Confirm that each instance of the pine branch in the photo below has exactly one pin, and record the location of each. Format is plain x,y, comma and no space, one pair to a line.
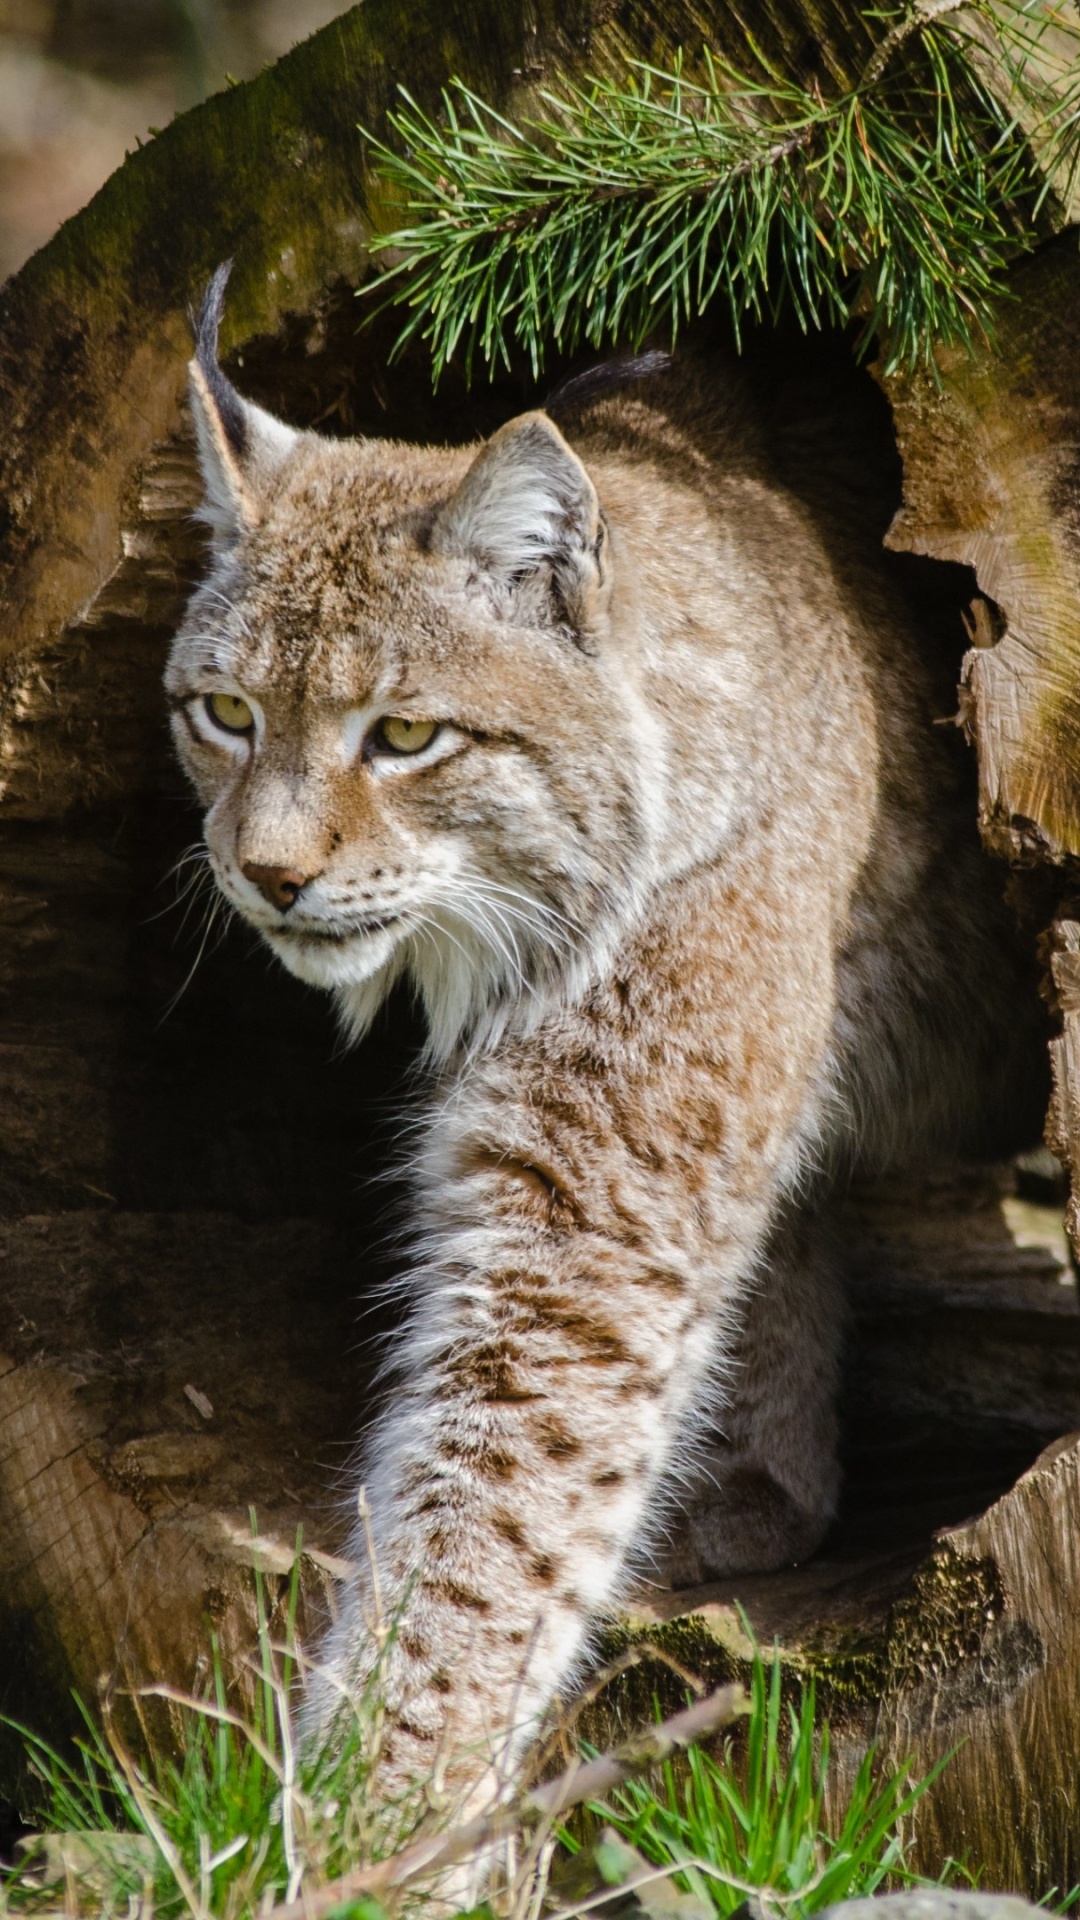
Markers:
628,208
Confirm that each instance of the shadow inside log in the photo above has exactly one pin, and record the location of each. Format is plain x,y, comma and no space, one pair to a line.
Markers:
197,1208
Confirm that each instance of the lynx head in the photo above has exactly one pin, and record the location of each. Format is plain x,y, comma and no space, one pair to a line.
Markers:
407,696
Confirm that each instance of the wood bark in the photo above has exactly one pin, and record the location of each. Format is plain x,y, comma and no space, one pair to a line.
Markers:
923,1629
182,1233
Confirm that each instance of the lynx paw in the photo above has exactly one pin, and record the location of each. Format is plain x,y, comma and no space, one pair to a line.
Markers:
747,1524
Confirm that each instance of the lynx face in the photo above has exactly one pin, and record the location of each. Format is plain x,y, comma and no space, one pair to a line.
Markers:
406,695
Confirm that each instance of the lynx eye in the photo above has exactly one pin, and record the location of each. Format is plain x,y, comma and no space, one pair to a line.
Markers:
229,712
405,736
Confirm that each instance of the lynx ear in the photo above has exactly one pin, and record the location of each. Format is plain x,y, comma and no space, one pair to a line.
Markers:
240,446
528,505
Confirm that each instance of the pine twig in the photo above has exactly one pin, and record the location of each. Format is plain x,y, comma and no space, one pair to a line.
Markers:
625,207
584,1780
912,23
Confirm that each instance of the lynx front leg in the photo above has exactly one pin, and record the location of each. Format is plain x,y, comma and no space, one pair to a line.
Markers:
597,1197
549,1365
766,1480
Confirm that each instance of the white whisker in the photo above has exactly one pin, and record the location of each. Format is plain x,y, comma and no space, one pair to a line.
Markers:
198,877
533,905
219,907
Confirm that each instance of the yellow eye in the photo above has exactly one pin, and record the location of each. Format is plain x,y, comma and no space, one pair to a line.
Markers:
406,736
229,712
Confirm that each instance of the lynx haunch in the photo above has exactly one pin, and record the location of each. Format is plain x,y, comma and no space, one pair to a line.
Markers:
621,751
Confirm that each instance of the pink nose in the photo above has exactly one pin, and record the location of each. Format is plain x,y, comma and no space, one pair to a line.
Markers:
279,885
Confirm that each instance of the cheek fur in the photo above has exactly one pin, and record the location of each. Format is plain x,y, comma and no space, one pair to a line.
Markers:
212,771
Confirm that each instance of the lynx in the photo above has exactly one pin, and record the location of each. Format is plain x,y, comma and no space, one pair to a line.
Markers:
620,748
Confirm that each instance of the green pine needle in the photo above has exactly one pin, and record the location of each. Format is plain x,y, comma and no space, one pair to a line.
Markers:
627,208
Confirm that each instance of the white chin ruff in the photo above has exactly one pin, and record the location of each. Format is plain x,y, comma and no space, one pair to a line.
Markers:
471,987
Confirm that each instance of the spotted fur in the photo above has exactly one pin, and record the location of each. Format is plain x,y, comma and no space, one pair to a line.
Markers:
687,884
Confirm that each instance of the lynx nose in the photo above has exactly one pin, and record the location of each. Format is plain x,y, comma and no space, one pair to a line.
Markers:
279,885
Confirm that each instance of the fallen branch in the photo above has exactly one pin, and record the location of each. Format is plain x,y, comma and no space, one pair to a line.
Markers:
583,1780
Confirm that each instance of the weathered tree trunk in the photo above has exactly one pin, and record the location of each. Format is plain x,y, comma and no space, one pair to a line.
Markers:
182,1237
992,478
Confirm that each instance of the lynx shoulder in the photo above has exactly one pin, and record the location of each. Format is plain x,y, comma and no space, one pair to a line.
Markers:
621,751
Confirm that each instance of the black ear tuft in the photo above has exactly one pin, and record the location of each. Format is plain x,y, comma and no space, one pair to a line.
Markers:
225,397
579,388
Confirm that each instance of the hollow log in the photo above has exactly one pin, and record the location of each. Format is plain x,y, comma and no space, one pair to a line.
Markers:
183,1234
